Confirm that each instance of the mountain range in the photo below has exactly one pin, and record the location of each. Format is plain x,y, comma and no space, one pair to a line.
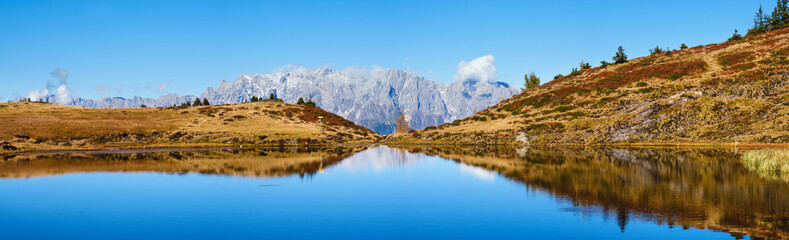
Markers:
370,98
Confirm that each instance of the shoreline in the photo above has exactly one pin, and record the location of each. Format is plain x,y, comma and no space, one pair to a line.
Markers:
197,147
168,148
642,144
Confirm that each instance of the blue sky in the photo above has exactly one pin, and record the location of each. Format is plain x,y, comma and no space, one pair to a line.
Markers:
148,48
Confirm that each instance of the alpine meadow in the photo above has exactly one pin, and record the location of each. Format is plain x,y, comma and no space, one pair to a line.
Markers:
394,119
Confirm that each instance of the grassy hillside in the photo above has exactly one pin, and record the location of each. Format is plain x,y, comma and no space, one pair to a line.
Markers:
37,126
719,93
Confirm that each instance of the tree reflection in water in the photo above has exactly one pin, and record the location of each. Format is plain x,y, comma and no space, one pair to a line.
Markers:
701,188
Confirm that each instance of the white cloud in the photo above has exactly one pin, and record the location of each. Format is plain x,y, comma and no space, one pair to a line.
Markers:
477,172
103,90
63,95
290,68
15,97
36,95
355,71
406,58
480,69
377,68
60,74
162,87
62,92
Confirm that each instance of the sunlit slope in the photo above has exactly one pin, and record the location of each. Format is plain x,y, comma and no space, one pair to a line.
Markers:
50,126
727,92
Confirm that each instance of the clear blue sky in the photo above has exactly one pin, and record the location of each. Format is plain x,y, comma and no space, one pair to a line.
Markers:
136,46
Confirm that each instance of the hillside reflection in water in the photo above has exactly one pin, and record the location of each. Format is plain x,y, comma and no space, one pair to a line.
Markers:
272,162
669,188
701,188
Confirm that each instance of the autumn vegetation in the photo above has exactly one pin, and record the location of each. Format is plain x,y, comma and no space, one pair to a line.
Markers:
401,124
40,126
770,163
725,93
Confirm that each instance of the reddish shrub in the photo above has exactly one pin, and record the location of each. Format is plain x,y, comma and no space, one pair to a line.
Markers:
734,58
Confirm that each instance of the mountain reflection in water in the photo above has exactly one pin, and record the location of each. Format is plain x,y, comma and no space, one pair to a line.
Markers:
701,188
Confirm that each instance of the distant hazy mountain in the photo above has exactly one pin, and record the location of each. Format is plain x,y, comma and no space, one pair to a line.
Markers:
119,102
372,99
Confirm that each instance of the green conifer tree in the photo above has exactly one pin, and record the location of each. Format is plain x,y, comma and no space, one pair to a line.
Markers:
585,66
736,36
655,50
620,56
530,81
759,25
780,16
310,103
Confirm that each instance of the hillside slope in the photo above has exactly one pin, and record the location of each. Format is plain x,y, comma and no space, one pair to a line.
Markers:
728,92
32,126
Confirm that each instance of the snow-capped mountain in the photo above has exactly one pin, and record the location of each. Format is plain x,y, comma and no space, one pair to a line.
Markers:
372,99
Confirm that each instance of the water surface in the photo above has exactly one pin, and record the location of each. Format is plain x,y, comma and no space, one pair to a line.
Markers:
386,193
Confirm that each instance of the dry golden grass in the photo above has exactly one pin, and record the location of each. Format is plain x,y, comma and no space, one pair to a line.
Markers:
34,126
50,120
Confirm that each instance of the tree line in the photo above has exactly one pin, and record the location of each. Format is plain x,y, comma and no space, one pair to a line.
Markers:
196,102
762,23
531,80
778,19
258,99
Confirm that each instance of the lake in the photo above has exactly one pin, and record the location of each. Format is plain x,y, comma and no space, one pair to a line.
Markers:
390,193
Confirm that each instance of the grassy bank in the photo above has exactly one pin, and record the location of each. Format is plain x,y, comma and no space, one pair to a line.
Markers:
771,163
